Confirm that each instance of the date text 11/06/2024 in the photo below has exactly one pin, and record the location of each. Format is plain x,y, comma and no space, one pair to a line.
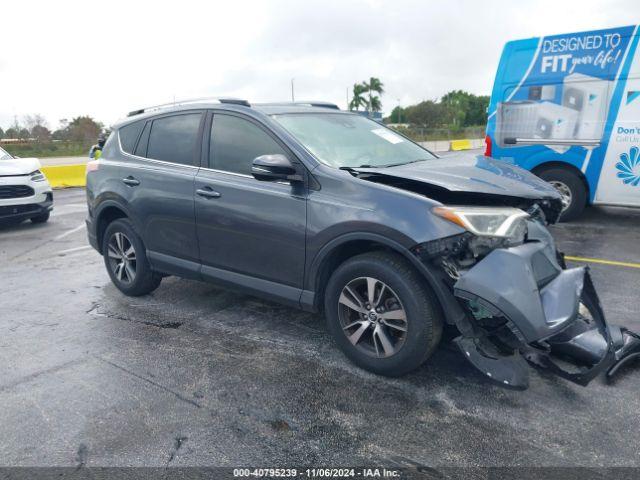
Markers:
317,473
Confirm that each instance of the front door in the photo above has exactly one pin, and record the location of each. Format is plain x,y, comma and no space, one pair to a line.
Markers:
250,232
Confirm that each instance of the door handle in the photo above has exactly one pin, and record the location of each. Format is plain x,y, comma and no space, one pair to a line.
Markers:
132,182
207,192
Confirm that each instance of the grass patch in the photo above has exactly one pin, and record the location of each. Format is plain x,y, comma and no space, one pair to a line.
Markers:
48,149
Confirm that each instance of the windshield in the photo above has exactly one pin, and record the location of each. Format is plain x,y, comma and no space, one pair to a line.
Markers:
343,140
4,155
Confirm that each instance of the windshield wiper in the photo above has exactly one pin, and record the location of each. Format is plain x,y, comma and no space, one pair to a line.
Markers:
404,163
360,166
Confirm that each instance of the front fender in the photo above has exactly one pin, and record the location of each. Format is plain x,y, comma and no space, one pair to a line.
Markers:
311,301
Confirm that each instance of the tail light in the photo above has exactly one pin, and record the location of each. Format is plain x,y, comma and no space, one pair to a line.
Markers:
487,146
93,165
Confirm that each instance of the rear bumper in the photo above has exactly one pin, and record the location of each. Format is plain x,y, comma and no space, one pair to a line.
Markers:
91,234
24,211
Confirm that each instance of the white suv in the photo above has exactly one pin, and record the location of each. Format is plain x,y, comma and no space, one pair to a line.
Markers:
24,190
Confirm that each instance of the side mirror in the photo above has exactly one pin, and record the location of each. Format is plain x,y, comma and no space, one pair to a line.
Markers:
271,168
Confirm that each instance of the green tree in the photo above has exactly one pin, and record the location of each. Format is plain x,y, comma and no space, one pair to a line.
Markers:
429,114
398,115
477,111
11,133
358,100
37,127
82,129
1,133
468,109
41,133
374,86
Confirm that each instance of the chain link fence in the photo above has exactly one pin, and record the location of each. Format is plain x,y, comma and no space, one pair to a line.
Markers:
424,134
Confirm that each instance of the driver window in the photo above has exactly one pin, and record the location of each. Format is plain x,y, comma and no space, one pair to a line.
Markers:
235,142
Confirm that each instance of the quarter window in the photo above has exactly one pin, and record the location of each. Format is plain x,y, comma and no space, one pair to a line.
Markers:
174,139
235,142
141,149
129,136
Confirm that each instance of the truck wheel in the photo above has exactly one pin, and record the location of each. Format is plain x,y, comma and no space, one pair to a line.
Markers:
381,314
572,189
126,260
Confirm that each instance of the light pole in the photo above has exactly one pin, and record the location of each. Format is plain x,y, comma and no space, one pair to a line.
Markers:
293,98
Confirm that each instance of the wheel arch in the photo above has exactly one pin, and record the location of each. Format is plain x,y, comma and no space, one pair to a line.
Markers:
341,249
538,169
109,211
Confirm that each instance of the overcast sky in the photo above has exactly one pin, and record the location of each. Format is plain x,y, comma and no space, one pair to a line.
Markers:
63,59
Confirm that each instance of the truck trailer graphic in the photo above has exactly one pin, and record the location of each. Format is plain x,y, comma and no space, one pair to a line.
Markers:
566,107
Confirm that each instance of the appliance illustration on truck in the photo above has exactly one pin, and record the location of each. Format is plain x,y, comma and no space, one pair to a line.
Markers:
589,97
534,120
567,107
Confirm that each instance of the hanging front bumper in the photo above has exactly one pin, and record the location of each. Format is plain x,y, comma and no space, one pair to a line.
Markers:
546,315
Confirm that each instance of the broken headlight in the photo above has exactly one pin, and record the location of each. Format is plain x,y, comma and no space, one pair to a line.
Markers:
506,224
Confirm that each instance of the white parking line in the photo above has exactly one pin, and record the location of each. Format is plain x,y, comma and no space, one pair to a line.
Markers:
62,253
69,232
68,210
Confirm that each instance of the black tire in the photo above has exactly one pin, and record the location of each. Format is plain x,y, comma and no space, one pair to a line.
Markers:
144,279
578,191
43,218
423,314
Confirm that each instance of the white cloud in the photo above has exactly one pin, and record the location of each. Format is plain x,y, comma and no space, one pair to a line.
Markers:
64,59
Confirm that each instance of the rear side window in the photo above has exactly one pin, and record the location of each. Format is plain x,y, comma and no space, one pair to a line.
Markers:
235,142
141,149
174,139
129,136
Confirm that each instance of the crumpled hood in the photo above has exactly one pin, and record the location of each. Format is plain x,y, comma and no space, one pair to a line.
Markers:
18,166
474,174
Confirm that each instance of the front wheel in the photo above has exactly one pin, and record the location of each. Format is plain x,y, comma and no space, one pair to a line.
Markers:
571,188
126,260
381,314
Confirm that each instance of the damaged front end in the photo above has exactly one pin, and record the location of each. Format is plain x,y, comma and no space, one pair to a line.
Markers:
521,303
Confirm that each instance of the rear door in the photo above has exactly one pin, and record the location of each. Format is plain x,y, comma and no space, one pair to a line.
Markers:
159,176
250,232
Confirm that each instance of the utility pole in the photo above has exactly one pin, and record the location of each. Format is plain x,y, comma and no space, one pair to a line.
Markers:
293,97
348,99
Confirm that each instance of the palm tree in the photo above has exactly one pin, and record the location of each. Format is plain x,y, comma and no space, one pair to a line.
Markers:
358,99
374,85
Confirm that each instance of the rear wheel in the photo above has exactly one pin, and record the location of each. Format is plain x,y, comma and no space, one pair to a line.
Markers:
126,260
571,187
381,314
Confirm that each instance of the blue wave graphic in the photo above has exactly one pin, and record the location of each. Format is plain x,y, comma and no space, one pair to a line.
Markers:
629,167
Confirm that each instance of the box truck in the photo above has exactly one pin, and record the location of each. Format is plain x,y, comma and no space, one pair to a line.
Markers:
567,107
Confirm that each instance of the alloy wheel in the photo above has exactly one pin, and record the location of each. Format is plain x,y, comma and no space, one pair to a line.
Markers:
372,317
122,257
564,191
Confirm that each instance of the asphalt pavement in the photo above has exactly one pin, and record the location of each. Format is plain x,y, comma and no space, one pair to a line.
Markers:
196,375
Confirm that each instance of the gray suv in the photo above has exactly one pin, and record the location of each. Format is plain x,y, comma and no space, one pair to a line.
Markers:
329,211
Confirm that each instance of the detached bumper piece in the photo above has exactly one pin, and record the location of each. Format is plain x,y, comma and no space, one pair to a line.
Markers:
524,307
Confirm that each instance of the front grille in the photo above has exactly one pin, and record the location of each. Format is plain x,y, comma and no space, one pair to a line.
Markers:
7,210
15,191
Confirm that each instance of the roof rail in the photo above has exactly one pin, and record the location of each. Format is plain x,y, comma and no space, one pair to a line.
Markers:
234,101
307,104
